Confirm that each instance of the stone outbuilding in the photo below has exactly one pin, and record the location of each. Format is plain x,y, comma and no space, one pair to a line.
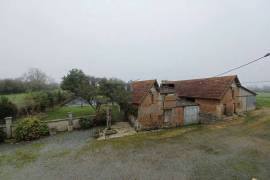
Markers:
160,110
247,100
179,103
146,97
217,97
179,112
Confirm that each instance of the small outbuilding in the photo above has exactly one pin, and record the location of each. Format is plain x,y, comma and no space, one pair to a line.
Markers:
158,109
217,97
247,99
178,112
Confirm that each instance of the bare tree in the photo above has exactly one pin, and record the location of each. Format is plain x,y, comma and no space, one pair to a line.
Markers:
36,79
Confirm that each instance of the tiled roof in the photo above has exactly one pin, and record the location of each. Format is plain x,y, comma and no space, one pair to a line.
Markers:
208,88
140,90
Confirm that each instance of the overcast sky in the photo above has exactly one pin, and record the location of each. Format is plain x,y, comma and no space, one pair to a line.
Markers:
135,39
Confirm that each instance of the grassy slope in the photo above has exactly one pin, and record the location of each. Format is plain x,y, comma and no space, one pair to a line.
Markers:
263,100
61,112
17,99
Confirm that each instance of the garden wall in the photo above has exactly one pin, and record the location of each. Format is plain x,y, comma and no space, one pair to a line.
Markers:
58,125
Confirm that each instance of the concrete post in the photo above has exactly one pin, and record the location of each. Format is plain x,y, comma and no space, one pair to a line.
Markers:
8,126
70,121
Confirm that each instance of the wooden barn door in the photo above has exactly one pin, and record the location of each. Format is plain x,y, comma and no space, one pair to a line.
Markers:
191,115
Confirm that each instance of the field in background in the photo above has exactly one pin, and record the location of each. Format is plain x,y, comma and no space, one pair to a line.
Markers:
77,111
17,99
62,112
263,100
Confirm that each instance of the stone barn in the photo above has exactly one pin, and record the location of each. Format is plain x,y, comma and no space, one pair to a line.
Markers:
178,112
146,97
217,97
158,109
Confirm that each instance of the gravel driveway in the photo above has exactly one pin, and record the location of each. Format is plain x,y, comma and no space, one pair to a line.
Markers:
231,150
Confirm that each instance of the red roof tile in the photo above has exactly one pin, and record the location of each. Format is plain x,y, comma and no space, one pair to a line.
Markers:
208,88
140,90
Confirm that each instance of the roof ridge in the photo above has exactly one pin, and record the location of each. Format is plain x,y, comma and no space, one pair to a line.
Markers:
220,77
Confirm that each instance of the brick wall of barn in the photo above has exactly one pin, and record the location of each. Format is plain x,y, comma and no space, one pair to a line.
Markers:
150,113
177,113
228,105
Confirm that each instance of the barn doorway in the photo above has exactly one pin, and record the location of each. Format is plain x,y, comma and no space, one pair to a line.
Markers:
167,115
191,115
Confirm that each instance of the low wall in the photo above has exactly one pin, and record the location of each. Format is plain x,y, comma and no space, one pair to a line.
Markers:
61,125
58,125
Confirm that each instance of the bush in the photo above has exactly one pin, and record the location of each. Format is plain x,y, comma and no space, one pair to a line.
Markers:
86,123
2,136
7,108
100,118
44,130
30,129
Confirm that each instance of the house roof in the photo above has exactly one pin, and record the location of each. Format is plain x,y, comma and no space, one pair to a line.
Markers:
248,90
208,88
140,89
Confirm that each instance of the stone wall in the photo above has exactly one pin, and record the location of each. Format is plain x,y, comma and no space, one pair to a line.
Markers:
229,103
62,125
150,113
208,105
58,125
208,118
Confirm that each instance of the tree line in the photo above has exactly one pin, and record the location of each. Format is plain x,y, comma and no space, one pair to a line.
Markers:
42,95
33,80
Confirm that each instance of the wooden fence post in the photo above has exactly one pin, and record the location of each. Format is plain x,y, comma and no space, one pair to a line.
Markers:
8,126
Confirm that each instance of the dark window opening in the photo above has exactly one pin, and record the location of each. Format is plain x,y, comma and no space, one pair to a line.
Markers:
234,107
190,99
224,109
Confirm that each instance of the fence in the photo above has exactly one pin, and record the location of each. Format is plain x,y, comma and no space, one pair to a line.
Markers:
58,125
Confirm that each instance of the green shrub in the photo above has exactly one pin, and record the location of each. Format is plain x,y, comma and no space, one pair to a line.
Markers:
44,130
7,108
30,129
100,118
86,123
2,136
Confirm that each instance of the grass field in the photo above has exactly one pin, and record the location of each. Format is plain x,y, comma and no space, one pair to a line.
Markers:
17,99
263,100
77,111
62,112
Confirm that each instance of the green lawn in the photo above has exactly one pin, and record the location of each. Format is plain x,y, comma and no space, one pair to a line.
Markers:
17,99
77,111
62,112
263,100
